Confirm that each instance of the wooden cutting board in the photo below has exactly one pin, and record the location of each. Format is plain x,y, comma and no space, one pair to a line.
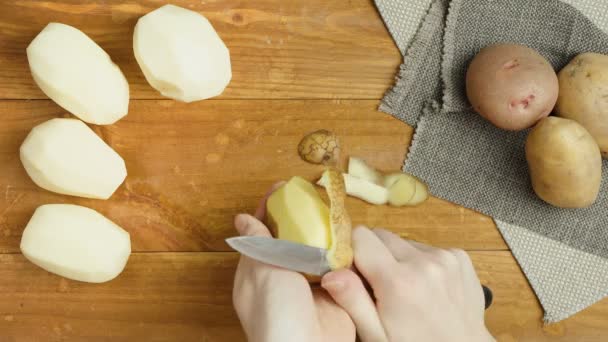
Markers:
297,66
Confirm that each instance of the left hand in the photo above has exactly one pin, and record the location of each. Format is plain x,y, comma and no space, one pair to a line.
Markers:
275,304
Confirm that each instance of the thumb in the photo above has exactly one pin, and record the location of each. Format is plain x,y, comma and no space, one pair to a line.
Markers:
348,291
248,225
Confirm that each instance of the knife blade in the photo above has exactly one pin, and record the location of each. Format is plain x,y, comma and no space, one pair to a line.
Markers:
282,253
296,257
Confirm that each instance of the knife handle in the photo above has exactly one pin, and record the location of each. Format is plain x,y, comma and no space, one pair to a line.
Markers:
488,296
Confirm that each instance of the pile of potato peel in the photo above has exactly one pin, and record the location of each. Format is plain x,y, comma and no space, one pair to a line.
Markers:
296,212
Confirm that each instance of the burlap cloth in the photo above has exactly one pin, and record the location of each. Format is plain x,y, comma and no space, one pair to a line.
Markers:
464,159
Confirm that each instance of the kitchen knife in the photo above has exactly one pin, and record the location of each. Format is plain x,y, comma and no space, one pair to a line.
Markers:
295,256
282,253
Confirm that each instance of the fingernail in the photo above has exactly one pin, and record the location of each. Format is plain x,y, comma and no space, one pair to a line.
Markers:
241,223
360,228
331,284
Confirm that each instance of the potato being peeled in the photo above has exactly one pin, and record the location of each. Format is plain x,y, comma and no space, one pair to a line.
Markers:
583,95
297,213
511,85
564,162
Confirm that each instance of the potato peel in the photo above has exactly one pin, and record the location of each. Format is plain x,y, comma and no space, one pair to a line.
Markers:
320,147
357,167
421,193
360,188
401,188
340,252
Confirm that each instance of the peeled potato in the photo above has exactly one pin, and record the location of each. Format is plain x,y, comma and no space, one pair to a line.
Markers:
75,72
181,55
511,85
67,157
297,213
75,242
564,162
583,95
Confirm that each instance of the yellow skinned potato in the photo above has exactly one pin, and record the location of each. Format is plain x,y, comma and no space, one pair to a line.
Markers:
297,213
564,162
511,85
583,95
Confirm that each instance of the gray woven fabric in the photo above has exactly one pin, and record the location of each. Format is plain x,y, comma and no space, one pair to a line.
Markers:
595,10
566,279
403,18
466,160
407,99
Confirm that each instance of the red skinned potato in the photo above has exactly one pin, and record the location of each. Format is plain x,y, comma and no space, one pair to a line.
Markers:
511,85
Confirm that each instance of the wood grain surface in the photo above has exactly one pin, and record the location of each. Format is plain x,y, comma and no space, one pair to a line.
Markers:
186,297
297,66
192,167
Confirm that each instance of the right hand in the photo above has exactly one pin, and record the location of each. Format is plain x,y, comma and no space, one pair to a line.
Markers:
421,293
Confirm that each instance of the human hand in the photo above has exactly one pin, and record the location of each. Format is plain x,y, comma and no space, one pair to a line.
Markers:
421,293
274,304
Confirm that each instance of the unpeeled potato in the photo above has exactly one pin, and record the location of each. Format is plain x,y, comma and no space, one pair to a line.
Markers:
583,95
564,162
511,85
